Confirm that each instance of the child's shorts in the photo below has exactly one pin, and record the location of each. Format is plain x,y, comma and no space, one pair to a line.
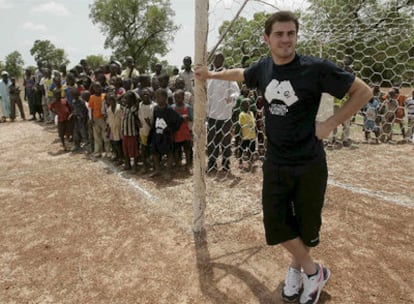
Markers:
130,146
144,139
64,128
292,201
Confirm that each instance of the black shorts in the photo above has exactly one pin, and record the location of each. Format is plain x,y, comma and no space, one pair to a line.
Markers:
292,201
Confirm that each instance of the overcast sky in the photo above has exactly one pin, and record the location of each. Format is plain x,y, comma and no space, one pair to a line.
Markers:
67,25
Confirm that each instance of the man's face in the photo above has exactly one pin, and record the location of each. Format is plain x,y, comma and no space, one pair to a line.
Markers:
218,61
282,41
187,62
130,62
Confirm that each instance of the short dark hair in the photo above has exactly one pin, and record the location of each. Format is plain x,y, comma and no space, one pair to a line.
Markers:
281,16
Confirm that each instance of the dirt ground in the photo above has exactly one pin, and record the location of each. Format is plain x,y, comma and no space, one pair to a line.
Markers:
77,230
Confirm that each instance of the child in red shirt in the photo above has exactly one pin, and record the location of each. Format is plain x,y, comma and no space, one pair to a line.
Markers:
182,138
61,108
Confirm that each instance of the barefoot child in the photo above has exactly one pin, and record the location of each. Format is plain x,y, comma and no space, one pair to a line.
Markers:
129,130
114,120
166,123
146,117
182,138
61,108
80,117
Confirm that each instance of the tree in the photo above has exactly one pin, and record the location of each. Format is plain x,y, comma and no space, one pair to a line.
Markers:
2,66
95,61
14,64
44,50
243,43
138,28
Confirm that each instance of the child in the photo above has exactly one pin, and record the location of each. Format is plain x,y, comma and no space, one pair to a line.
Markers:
80,116
166,123
61,107
89,124
47,82
129,130
247,124
101,141
146,117
370,117
389,108
114,120
70,84
15,100
164,80
182,138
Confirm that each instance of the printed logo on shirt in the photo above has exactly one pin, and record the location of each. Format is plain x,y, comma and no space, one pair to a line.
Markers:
278,109
282,91
160,125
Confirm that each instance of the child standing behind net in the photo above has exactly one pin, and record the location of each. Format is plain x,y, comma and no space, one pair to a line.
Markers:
166,123
370,117
182,138
247,124
61,108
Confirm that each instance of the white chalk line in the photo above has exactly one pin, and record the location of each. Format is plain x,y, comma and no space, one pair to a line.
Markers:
399,199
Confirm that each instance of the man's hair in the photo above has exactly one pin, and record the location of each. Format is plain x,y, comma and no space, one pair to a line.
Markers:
281,16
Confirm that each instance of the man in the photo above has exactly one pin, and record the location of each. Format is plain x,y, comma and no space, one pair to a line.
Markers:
221,96
157,73
130,71
37,93
5,84
295,171
188,74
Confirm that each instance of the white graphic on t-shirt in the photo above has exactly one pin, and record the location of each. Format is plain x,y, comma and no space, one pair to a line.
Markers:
278,109
282,91
160,125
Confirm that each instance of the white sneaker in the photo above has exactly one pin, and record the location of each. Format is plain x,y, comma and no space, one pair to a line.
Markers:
293,285
312,286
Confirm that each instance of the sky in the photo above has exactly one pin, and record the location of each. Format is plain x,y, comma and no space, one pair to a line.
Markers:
67,25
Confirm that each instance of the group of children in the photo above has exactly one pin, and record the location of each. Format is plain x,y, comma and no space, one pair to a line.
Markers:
144,124
383,111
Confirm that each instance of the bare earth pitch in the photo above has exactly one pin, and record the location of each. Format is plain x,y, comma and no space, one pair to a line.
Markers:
74,230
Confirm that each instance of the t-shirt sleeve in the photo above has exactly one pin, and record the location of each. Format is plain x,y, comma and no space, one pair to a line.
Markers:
335,80
251,76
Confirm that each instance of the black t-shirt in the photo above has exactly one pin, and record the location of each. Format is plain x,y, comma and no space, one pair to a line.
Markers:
292,93
166,123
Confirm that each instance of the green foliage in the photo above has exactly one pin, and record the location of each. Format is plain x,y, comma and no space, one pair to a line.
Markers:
95,61
138,28
2,66
375,36
243,43
14,64
45,51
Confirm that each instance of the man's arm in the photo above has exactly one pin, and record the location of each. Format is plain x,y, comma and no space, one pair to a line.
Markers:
359,94
202,73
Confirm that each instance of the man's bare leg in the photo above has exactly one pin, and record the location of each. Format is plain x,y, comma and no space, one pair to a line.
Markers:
300,256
